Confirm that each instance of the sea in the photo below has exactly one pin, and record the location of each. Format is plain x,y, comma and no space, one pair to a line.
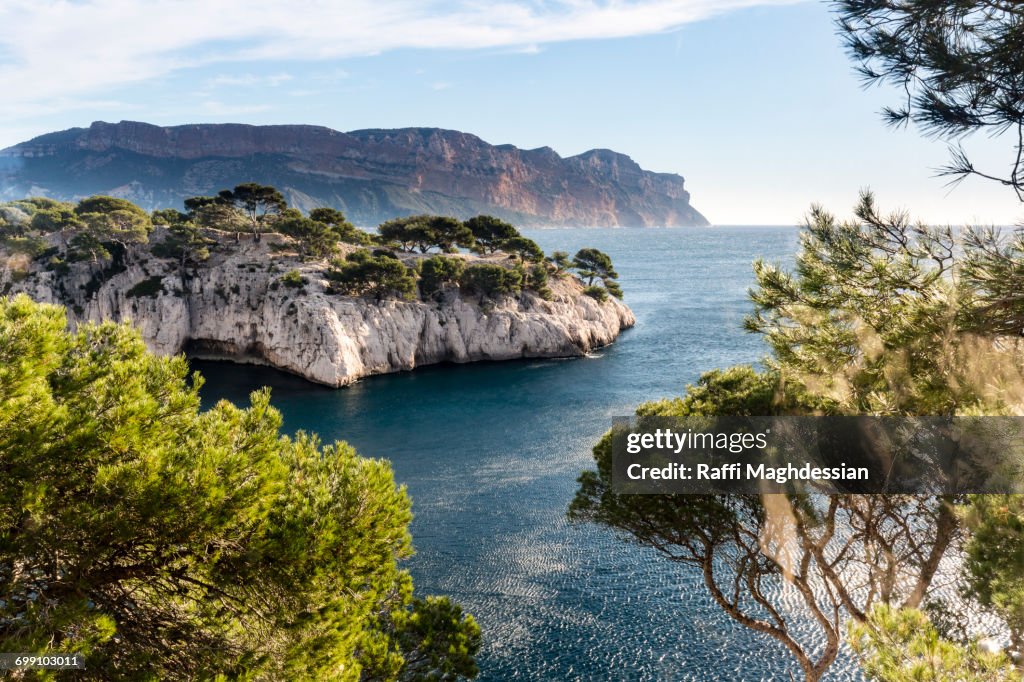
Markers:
490,453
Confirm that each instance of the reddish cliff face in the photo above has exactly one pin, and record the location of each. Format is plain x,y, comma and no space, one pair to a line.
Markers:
372,175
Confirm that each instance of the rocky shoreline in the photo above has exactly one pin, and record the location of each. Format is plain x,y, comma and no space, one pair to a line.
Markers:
236,307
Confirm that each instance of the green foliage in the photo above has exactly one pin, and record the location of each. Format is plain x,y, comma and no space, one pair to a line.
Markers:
491,280
490,233
328,216
60,218
259,205
164,542
168,216
108,219
58,265
882,316
425,232
591,265
293,279
104,273
741,391
991,273
249,206
335,220
195,204
13,217
86,246
24,224
362,274
314,239
742,544
524,249
105,204
902,645
213,212
437,271
956,64
30,245
596,292
147,288
28,207
185,243
538,281
995,558
559,260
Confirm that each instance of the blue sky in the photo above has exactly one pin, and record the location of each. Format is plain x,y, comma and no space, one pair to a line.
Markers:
753,101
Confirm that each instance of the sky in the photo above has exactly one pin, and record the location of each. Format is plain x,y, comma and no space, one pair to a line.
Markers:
753,101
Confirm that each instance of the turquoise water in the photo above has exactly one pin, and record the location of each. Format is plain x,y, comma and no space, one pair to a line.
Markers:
490,453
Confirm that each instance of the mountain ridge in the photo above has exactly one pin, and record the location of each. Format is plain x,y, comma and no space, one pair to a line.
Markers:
371,174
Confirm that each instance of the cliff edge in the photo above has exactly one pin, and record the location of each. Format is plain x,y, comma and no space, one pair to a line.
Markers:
235,306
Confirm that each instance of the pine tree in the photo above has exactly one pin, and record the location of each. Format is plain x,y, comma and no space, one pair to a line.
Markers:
163,541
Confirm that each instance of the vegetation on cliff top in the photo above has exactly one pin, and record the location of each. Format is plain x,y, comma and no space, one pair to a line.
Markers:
414,254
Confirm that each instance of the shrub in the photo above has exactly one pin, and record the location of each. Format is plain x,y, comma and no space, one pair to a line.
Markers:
58,265
593,265
523,248
425,232
148,288
335,220
560,261
364,274
489,233
31,246
312,239
538,281
596,292
293,279
437,271
491,280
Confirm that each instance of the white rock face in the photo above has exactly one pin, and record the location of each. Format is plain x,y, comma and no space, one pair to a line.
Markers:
234,307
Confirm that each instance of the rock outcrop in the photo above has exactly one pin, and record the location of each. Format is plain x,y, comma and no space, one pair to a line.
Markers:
371,175
236,307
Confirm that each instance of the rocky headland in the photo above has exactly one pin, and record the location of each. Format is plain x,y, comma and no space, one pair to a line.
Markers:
237,305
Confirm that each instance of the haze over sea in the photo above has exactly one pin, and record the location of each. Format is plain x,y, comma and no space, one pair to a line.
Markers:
490,454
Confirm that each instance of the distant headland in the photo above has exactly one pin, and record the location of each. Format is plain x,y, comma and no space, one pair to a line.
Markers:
370,175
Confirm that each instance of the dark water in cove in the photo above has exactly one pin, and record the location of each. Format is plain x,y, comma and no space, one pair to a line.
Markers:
490,454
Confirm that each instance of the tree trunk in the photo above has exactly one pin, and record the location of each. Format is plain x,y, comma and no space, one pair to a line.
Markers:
945,530
810,671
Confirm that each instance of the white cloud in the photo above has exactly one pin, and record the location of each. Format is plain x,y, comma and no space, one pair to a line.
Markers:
246,80
440,85
54,49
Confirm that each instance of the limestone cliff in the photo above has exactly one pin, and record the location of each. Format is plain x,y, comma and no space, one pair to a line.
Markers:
371,175
235,306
